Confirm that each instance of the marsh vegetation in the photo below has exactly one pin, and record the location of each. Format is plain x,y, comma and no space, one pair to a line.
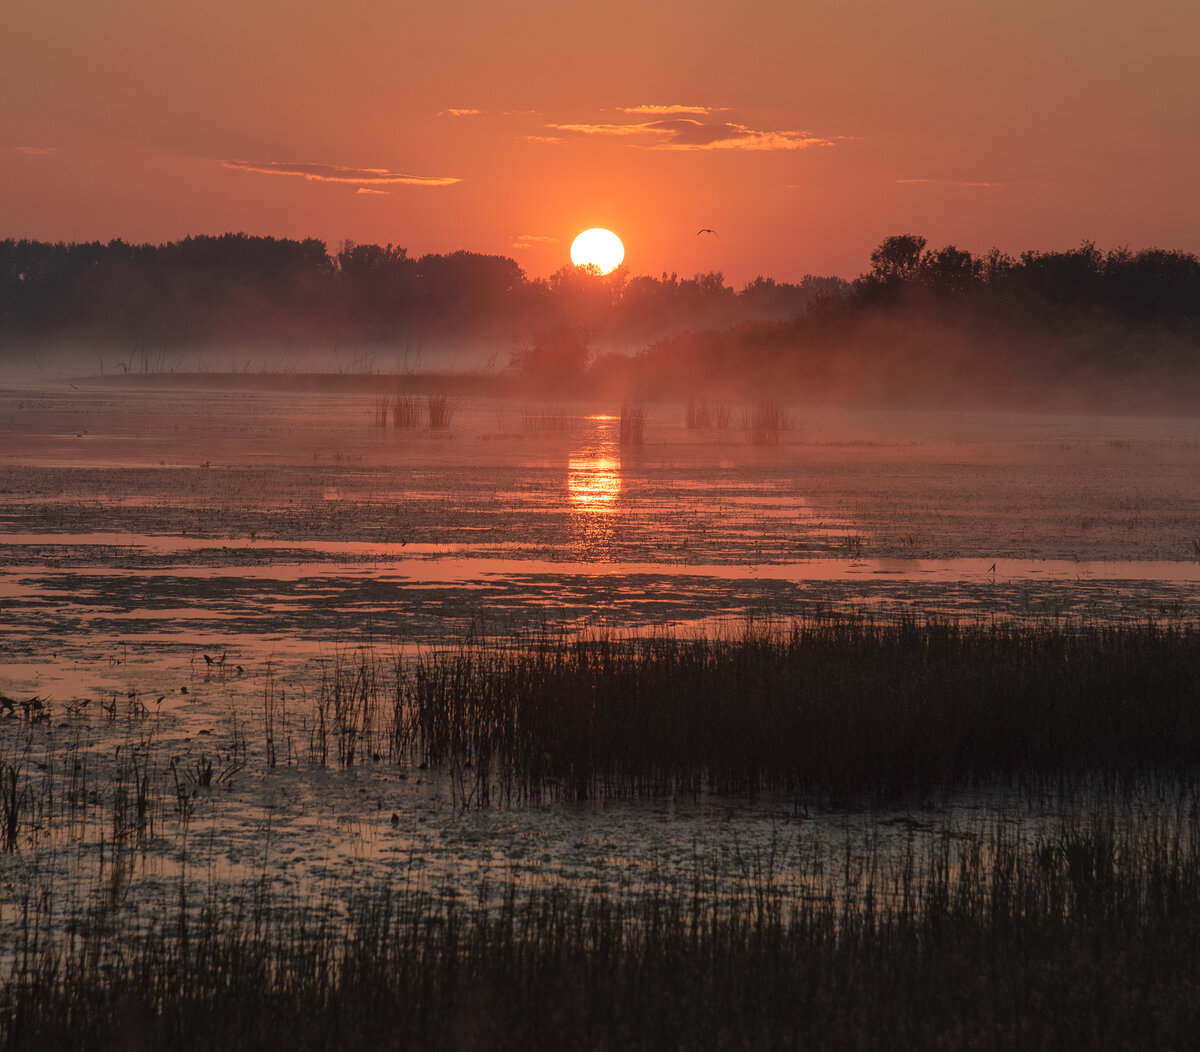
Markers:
129,919
882,732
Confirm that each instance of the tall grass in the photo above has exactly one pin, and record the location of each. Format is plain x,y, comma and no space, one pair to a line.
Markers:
545,418
1083,939
1077,933
699,415
406,412
440,409
840,707
633,425
765,421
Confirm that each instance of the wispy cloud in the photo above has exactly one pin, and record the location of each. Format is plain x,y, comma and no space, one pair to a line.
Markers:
663,111
945,182
533,240
336,173
686,133
602,129
543,138
371,190
460,113
36,151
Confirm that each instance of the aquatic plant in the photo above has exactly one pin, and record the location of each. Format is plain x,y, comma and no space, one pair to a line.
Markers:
765,422
633,425
1085,934
440,409
853,707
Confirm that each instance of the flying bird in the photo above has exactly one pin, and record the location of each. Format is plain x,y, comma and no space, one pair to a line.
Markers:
707,230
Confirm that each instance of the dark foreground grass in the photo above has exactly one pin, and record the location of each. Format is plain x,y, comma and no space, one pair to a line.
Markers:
1087,940
846,707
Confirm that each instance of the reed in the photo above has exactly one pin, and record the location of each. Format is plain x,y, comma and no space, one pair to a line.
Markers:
545,418
440,409
700,415
765,422
633,425
406,412
1083,937
844,707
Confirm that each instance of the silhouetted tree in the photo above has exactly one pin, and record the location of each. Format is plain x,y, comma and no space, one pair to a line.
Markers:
897,258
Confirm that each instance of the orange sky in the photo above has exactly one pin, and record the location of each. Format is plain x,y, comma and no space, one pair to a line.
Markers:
803,133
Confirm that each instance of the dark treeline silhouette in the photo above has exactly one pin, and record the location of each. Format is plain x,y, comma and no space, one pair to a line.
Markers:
266,291
924,325
1079,328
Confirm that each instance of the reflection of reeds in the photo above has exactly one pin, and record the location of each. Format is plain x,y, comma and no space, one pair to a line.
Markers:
633,425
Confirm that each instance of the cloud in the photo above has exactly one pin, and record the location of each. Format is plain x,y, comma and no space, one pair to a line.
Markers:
369,190
685,133
336,173
662,111
460,113
532,240
944,182
601,129
543,138
36,151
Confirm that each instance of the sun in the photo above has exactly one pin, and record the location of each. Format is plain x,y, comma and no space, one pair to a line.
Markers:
598,248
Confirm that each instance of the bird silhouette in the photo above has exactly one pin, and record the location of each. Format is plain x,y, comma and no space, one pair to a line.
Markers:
707,230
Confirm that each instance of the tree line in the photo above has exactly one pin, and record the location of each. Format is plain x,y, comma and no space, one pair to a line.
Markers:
941,326
935,324
238,288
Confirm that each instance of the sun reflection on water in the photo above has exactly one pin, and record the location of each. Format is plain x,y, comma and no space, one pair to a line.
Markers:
593,484
594,489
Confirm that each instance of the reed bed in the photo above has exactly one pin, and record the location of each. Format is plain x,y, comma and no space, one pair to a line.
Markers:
440,410
545,418
1018,931
1085,938
765,422
403,410
851,707
406,412
700,415
633,425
